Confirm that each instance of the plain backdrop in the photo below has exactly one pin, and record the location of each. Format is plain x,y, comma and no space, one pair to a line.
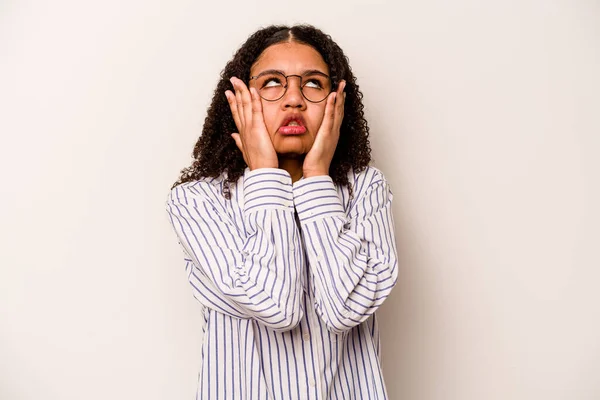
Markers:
484,117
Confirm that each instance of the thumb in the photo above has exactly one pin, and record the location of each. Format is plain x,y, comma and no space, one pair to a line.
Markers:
238,142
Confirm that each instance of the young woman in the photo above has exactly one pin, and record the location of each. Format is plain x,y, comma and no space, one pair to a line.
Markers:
287,231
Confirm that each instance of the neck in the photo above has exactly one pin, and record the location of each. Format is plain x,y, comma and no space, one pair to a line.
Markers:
293,166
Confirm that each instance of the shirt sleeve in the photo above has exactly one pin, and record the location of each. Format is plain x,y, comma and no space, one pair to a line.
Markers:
255,273
352,256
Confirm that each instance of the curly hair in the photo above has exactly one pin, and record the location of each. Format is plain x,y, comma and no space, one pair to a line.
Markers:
215,151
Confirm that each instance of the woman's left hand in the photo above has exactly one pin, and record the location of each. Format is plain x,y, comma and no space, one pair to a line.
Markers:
318,159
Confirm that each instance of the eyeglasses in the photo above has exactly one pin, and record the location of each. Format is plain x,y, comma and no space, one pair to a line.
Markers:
272,85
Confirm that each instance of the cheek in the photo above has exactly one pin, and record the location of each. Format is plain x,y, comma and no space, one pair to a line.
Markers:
270,116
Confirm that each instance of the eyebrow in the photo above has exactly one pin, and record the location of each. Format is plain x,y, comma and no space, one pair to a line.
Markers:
304,73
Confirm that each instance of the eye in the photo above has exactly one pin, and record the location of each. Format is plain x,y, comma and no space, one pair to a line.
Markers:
272,82
313,84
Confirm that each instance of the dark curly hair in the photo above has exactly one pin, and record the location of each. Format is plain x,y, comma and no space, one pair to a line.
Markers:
215,151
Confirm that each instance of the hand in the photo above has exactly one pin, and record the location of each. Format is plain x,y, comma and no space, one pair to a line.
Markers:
318,159
253,139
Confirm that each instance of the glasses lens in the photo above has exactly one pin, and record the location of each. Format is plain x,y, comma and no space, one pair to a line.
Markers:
316,87
271,86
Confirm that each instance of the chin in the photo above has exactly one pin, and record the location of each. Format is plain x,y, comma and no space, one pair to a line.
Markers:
290,156
291,148
290,152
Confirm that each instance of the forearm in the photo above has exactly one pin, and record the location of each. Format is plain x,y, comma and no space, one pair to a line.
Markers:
352,259
255,274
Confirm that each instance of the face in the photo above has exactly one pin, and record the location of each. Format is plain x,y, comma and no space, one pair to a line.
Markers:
291,59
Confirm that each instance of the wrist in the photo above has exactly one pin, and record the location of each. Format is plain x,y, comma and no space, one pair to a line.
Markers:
254,167
311,173
262,164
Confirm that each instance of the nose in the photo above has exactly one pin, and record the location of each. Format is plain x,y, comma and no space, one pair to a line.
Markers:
293,97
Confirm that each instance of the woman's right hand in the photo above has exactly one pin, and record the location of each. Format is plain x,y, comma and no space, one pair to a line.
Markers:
253,139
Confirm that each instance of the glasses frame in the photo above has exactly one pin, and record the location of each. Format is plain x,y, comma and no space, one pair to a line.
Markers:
287,84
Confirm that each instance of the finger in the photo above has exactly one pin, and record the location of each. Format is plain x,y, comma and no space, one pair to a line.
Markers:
341,94
257,113
327,123
233,107
341,87
246,101
338,109
238,99
339,104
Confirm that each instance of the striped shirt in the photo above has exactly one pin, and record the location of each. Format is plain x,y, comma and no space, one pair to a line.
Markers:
289,277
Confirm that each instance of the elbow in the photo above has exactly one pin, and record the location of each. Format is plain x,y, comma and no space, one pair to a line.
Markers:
339,320
283,322
283,318
342,318
289,322
337,329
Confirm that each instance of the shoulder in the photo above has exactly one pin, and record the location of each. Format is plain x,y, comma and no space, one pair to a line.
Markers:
208,190
366,179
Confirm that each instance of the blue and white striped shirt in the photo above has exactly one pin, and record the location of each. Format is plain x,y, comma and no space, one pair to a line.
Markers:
289,277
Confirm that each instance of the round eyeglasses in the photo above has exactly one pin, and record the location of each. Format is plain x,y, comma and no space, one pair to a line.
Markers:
272,85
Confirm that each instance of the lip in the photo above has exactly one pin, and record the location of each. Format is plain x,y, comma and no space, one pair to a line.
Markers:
292,130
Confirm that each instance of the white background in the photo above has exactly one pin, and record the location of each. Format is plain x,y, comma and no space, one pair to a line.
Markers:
484,117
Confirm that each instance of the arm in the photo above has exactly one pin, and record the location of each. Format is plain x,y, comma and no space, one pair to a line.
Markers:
352,258
253,274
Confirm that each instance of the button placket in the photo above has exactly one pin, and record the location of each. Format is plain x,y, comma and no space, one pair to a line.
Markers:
309,372
319,355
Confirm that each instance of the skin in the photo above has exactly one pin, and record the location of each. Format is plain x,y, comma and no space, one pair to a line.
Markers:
258,120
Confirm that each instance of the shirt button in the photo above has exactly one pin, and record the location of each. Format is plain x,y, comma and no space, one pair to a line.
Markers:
319,257
311,382
306,337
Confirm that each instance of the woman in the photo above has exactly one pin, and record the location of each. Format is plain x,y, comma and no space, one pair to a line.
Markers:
287,232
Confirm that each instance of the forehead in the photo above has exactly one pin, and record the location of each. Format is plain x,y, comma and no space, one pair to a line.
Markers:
292,58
